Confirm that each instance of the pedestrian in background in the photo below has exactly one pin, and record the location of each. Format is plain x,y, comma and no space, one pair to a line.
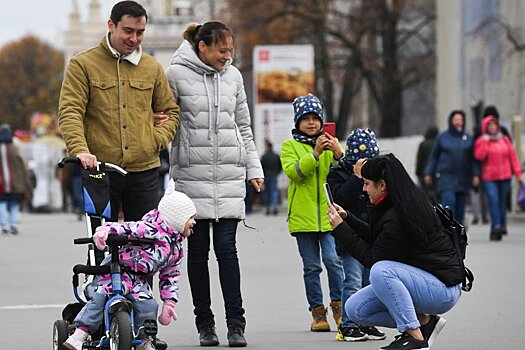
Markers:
14,181
423,153
499,162
212,157
271,164
306,160
347,190
452,163
415,269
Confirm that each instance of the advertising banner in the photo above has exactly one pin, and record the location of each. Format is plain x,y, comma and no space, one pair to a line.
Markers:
281,73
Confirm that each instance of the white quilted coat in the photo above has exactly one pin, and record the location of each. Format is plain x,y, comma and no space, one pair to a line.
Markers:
213,153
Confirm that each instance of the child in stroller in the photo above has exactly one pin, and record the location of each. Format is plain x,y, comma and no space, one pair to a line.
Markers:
167,226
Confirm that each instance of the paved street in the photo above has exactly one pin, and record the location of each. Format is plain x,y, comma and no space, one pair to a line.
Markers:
36,283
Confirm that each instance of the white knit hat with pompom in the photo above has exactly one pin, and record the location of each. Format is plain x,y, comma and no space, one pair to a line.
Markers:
176,207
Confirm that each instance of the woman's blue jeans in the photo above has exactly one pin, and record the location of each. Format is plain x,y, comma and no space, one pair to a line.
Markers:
356,277
397,294
224,245
497,192
313,245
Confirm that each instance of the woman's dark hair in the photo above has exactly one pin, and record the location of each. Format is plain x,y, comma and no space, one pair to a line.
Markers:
490,110
412,205
130,8
209,32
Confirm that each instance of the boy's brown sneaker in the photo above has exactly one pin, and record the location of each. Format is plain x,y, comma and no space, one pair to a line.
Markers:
319,323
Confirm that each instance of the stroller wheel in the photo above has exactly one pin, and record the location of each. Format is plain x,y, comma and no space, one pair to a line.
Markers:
120,332
60,334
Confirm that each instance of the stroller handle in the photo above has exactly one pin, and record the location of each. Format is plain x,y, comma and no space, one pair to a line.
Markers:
109,166
116,241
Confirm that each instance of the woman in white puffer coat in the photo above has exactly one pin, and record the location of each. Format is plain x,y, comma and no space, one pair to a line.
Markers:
212,157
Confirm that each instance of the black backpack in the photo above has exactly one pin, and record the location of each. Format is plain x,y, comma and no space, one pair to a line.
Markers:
458,234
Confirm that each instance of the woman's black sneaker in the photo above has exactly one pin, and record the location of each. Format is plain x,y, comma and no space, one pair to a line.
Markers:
404,341
236,337
431,330
208,336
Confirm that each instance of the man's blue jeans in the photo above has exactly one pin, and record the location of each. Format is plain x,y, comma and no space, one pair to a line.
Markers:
497,192
270,192
397,294
224,245
356,277
457,202
313,245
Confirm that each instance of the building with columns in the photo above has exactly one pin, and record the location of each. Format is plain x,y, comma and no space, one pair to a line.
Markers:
478,64
166,22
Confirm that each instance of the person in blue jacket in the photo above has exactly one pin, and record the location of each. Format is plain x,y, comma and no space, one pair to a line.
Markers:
452,163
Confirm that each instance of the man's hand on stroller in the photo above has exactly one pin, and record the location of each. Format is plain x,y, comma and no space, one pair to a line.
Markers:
88,160
168,313
100,237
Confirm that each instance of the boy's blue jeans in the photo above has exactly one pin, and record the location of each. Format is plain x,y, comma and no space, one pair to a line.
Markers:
356,277
497,192
397,294
313,245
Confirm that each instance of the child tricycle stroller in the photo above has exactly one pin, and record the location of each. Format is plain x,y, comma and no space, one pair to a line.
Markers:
117,331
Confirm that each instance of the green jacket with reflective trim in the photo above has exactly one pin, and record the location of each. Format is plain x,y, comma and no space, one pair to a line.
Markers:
307,204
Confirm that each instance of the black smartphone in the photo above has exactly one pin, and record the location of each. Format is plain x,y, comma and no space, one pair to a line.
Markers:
328,193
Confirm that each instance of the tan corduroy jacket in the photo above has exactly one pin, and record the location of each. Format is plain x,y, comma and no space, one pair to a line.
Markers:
106,108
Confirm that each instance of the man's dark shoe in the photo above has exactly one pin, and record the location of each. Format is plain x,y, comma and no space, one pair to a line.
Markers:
236,337
404,341
431,330
160,345
208,336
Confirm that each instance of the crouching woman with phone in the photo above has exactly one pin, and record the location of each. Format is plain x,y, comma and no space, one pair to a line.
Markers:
415,270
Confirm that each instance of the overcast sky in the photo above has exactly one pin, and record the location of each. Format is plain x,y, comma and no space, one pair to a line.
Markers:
46,19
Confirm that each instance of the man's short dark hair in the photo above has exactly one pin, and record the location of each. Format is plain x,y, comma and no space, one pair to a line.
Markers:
130,8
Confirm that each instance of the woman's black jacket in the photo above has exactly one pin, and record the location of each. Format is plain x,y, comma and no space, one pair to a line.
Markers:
386,239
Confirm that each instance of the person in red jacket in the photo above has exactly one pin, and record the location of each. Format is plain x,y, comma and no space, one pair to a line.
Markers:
499,162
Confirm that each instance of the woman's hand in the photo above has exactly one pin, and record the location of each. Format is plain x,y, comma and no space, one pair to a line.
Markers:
257,184
159,118
334,214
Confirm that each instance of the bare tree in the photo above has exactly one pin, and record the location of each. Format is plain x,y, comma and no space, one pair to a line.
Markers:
384,46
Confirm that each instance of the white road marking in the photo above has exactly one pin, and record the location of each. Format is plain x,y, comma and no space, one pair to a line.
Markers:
31,307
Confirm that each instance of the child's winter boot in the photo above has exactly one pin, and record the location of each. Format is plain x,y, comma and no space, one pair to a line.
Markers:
319,323
337,312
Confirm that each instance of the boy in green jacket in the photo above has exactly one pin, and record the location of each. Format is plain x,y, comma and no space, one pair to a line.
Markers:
306,160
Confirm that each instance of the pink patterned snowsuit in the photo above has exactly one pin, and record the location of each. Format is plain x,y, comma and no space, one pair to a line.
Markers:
163,256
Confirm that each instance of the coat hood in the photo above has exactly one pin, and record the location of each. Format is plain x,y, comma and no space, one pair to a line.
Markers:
186,56
451,127
485,123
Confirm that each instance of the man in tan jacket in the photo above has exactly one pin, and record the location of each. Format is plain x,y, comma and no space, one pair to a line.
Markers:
106,111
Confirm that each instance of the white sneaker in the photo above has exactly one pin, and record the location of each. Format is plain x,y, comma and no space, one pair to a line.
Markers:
75,340
147,344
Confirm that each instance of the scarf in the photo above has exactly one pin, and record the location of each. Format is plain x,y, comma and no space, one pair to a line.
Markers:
303,138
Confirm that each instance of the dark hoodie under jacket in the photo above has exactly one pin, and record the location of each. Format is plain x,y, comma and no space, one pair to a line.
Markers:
386,239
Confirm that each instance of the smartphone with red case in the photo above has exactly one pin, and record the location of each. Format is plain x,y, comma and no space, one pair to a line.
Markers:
329,128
